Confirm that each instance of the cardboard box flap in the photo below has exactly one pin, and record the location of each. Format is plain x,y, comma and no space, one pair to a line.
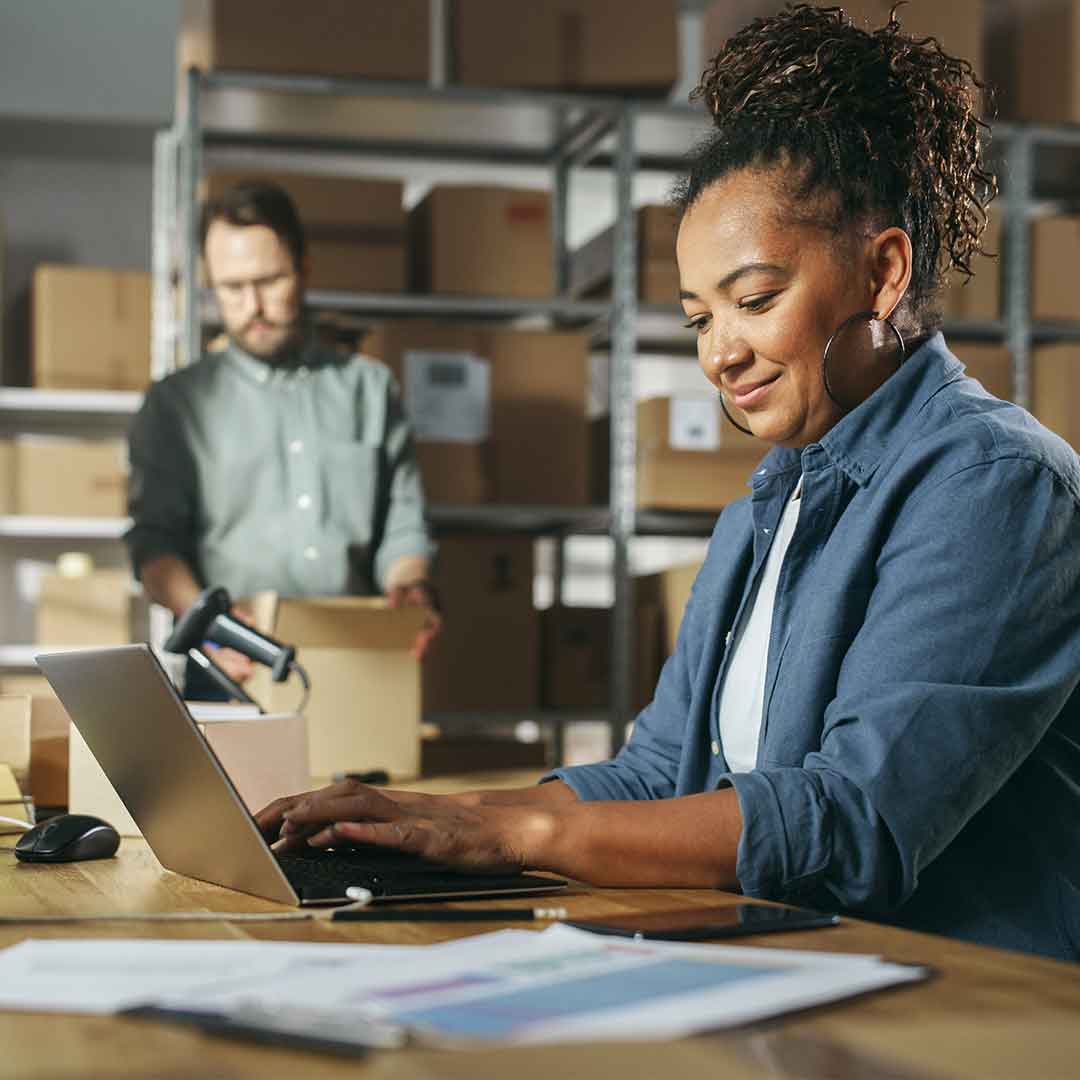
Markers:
339,622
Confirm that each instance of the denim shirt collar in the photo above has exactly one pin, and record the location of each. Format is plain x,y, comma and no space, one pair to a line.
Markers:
861,438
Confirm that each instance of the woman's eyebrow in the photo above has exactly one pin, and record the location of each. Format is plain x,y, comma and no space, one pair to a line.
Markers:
729,279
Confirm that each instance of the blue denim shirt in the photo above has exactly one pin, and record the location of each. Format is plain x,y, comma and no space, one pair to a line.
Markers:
919,756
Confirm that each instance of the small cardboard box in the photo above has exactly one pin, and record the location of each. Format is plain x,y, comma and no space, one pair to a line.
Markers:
1055,386
568,44
91,328
991,365
62,477
15,719
482,241
577,653
487,656
364,708
673,587
49,724
592,264
98,608
265,757
540,388
354,228
1055,252
378,39
690,457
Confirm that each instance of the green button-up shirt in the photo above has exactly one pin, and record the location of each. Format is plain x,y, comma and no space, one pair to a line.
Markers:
298,478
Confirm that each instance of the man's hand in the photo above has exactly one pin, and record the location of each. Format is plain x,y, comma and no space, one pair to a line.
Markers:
419,593
474,837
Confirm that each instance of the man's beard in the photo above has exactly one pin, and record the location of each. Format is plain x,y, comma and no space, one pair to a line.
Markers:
284,345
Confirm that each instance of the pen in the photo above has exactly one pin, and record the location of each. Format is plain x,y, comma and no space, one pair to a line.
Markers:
447,914
372,776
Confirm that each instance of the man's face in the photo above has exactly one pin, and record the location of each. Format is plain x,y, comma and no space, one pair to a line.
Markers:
259,288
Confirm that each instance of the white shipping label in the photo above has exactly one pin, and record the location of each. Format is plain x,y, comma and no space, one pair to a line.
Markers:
448,396
694,423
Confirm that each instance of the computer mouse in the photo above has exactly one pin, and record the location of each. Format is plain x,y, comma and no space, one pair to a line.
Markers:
68,838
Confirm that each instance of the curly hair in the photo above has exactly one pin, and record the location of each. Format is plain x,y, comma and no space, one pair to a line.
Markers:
883,124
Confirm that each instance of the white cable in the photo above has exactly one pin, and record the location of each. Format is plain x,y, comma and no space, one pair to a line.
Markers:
15,821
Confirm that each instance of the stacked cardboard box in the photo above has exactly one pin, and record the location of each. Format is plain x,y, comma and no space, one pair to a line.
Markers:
96,608
15,714
364,709
482,241
91,328
543,449
991,365
1034,59
378,39
49,725
690,457
1055,390
1055,253
355,229
658,272
488,654
577,653
568,44
55,476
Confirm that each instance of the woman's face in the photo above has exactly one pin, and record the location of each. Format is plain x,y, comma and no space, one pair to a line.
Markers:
764,293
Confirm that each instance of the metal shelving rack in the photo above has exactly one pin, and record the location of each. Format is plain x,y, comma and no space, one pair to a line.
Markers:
305,120
329,120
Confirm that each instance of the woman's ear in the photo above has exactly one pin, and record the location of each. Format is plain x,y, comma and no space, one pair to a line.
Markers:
891,256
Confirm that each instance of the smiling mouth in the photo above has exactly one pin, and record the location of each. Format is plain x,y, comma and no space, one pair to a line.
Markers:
751,393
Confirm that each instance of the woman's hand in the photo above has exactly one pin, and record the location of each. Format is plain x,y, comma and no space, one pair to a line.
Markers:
461,833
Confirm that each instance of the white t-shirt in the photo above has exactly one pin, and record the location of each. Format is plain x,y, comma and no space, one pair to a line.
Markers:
742,700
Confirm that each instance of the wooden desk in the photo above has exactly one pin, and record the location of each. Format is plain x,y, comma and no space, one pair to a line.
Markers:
989,1013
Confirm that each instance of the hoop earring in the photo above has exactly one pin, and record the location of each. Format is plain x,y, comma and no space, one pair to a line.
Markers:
870,316
731,419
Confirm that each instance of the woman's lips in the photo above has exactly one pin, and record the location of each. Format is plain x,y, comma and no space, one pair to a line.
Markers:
751,393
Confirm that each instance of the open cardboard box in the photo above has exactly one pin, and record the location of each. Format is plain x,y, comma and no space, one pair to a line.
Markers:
264,756
364,708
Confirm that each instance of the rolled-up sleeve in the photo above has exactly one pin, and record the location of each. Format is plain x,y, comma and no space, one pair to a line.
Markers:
404,530
968,652
163,486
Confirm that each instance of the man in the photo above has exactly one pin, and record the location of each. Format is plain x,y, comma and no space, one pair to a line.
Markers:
275,463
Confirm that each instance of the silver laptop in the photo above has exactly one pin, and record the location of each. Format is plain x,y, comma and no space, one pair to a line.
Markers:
168,777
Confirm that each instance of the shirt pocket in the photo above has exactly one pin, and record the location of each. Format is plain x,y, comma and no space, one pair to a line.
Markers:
352,482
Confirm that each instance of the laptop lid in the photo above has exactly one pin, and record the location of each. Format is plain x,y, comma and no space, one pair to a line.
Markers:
145,740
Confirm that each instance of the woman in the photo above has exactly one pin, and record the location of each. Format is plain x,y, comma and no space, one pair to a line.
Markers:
873,702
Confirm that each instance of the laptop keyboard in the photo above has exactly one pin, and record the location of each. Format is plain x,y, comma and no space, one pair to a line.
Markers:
326,875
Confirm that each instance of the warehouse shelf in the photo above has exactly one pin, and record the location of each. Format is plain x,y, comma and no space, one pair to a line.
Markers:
100,412
31,527
20,658
579,520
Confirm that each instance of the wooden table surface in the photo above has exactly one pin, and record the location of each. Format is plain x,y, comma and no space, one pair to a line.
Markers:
988,1013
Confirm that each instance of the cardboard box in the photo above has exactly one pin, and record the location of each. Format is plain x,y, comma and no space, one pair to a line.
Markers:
482,241
49,724
265,757
1034,59
978,297
98,608
57,476
364,709
540,385
1055,252
459,474
8,500
658,272
991,365
15,714
690,457
91,328
577,653
673,587
958,24
378,39
568,44
445,755
1055,390
355,229
487,656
